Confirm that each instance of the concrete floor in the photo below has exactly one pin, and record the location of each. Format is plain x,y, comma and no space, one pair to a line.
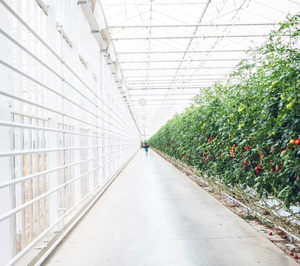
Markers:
154,215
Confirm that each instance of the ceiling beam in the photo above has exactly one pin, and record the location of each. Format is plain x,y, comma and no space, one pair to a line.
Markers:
153,112
189,37
174,86
173,68
175,52
185,60
152,4
168,80
164,105
161,76
162,99
194,82
194,25
179,105
156,109
153,85
145,95
168,88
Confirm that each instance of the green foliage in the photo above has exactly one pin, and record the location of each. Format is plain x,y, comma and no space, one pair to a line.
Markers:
237,131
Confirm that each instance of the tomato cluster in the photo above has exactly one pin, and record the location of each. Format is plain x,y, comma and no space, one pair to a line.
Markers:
295,142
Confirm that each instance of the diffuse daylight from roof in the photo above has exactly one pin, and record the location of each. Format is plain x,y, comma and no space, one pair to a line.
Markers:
170,50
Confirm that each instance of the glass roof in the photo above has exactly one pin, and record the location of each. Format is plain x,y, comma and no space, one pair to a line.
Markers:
170,50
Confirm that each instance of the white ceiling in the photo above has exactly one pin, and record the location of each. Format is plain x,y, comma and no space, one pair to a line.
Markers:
170,50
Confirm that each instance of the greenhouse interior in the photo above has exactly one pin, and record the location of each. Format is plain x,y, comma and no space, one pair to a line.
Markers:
150,132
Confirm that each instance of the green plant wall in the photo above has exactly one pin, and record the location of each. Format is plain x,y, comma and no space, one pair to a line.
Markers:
247,132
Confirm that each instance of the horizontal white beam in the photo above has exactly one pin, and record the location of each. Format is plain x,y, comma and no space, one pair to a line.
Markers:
162,76
36,199
169,88
29,177
194,25
146,95
189,37
174,68
174,87
147,114
145,81
169,84
167,104
152,4
174,82
180,60
157,109
181,52
164,99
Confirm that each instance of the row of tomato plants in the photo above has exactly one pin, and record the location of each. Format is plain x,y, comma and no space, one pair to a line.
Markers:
247,133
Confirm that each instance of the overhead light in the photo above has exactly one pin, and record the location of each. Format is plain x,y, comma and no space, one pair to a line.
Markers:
142,102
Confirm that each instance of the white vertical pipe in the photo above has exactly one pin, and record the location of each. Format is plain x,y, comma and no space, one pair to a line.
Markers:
53,177
102,115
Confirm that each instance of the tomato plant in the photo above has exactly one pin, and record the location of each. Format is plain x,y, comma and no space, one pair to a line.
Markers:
247,133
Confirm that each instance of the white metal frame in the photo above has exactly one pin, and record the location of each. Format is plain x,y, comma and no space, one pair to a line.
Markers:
183,38
67,126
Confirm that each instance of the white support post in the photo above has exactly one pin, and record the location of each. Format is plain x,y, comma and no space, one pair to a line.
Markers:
6,230
103,140
96,140
53,177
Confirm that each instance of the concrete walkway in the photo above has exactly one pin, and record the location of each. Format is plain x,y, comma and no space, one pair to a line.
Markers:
154,215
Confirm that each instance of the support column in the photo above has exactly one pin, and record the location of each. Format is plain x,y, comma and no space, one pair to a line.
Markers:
53,177
103,135
6,230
